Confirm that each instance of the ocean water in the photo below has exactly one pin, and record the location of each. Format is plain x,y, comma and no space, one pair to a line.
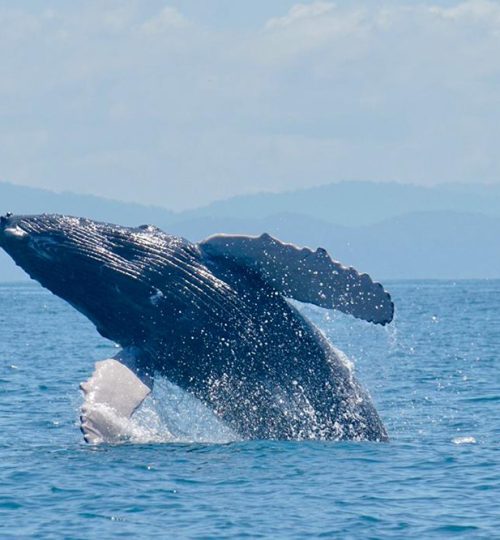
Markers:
433,374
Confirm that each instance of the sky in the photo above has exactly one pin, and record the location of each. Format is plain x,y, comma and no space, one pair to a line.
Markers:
184,102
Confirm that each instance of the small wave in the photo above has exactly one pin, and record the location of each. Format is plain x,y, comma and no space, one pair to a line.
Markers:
464,440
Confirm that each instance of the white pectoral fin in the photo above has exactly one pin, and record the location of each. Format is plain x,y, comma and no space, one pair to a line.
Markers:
112,394
304,275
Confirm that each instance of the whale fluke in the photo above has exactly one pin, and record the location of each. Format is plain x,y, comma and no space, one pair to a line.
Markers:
305,275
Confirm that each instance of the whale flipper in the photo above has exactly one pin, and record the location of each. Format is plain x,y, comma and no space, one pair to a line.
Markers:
304,275
112,394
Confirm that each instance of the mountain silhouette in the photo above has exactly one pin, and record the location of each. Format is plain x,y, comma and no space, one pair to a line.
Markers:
392,231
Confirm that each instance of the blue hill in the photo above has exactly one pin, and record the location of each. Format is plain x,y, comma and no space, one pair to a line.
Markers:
359,203
388,230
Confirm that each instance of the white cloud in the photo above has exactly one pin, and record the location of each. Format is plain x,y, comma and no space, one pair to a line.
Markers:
167,19
470,11
301,12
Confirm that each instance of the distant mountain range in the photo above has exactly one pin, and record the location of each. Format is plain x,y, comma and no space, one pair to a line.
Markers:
359,203
389,230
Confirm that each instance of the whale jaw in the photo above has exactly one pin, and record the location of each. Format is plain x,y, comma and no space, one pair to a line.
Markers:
96,267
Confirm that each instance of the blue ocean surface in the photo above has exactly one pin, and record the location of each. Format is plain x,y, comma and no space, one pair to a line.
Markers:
433,375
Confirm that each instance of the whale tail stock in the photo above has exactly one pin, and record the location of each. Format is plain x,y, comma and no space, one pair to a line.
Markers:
304,275
111,395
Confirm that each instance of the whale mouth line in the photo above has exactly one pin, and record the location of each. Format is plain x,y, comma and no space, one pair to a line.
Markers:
15,232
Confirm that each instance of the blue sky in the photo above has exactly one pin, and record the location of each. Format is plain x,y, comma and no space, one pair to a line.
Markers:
183,102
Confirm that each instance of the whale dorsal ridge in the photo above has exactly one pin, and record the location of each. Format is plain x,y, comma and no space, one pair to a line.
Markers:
304,275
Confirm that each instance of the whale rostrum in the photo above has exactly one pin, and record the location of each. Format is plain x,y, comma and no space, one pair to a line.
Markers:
213,318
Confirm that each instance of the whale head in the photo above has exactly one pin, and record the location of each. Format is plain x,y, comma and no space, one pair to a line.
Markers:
116,276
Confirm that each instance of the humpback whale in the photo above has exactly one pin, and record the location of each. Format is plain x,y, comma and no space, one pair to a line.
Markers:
213,317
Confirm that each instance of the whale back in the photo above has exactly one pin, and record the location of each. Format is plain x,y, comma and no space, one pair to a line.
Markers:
272,374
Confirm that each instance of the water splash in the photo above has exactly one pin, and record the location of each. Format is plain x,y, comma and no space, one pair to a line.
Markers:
169,415
464,440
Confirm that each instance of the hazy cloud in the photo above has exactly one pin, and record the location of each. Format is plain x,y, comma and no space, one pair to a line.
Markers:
143,101
471,11
166,19
301,12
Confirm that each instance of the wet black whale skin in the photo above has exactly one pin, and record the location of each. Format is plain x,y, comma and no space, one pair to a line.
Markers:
213,327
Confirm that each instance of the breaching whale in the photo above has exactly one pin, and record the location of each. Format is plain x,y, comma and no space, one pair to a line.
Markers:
213,318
